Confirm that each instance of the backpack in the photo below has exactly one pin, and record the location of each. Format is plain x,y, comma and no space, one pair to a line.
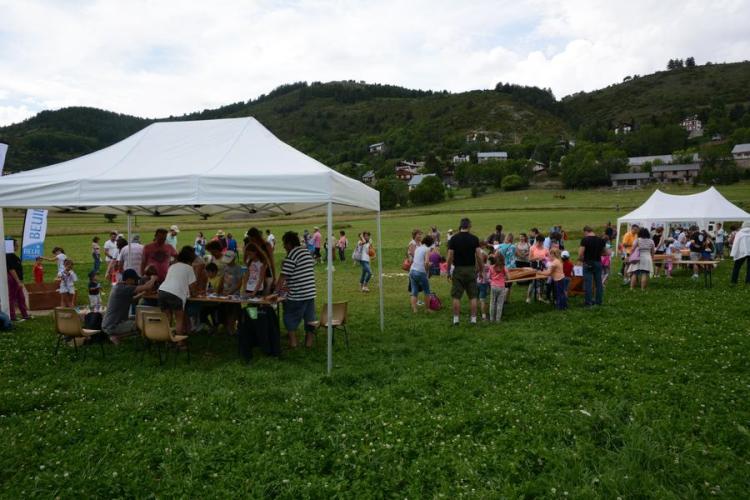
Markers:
434,303
357,254
93,321
5,322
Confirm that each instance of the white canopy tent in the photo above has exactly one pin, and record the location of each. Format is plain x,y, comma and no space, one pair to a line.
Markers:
206,167
699,208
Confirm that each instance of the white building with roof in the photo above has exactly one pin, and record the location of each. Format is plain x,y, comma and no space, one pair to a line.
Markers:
417,180
741,155
492,156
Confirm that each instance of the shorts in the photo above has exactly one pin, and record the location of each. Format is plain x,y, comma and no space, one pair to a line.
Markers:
695,256
641,272
418,282
170,302
483,289
464,280
297,310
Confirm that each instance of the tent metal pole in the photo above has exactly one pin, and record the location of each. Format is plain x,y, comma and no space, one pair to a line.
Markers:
4,298
130,225
329,270
380,274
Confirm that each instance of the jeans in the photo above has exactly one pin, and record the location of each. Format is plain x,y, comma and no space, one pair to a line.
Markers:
592,276
97,263
736,269
497,301
366,273
341,254
419,281
561,293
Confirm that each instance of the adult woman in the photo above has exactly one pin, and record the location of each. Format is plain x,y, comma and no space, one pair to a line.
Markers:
363,257
643,266
416,240
538,255
255,236
522,251
419,270
508,250
175,289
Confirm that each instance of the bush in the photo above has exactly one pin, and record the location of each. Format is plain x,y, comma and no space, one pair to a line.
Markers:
514,182
430,190
393,193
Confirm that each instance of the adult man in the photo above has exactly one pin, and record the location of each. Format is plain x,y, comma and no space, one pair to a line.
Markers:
158,254
270,239
110,252
465,254
298,277
117,322
590,255
719,236
172,236
497,237
231,243
695,244
610,231
16,297
221,238
131,256
741,253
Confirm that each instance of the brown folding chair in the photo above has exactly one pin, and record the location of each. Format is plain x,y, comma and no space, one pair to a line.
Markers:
157,330
340,312
68,324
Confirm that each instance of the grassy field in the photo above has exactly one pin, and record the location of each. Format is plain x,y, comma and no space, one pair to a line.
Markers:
646,396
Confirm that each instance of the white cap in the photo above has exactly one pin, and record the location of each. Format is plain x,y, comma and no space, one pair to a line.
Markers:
565,253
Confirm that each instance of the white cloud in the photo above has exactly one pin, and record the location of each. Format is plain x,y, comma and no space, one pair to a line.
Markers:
160,58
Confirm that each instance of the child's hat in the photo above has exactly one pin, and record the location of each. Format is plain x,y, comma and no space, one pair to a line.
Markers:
565,254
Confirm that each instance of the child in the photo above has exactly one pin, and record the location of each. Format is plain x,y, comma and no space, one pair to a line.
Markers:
67,279
443,267
212,272
435,260
483,285
59,257
606,261
38,271
567,267
672,251
342,244
95,301
556,273
253,282
707,252
498,273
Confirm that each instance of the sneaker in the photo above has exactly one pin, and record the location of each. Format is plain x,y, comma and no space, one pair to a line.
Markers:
19,320
420,303
695,276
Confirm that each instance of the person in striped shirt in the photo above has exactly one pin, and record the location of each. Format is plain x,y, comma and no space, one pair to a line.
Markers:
298,279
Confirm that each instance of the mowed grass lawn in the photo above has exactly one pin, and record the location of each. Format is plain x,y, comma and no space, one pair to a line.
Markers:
646,396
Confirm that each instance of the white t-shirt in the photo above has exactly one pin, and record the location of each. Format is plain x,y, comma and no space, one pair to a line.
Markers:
365,252
60,258
110,250
179,278
135,252
420,254
271,240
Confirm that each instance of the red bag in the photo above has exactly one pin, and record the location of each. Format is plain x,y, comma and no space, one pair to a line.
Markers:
434,303
406,264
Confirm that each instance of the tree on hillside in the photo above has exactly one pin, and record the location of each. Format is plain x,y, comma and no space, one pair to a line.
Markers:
393,193
589,165
690,62
430,190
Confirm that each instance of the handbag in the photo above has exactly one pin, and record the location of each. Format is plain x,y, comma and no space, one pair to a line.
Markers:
434,303
371,252
406,264
357,254
635,256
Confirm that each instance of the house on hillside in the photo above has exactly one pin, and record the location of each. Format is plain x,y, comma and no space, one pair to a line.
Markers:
537,167
693,125
623,128
741,155
405,172
460,158
639,161
377,148
492,156
675,173
369,177
630,179
487,136
417,180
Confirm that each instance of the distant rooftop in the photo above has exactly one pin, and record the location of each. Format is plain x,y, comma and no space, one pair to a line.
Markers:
493,154
417,179
689,167
741,148
630,176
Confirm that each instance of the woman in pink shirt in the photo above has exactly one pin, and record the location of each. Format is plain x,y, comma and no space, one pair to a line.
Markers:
538,255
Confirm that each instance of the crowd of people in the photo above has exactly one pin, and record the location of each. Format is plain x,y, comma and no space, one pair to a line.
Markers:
166,274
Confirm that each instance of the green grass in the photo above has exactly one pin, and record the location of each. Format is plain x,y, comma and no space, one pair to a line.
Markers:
644,397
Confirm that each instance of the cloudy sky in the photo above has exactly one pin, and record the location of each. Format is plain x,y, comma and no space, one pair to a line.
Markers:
154,58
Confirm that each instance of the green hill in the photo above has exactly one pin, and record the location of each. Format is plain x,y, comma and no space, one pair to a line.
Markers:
333,122
666,96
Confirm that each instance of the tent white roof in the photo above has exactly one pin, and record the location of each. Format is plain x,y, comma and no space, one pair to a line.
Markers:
703,207
206,167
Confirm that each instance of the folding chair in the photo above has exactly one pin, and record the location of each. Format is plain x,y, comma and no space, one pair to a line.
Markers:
157,330
68,324
340,310
139,312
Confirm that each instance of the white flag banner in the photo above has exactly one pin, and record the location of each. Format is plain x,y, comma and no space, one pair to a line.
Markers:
34,232
3,150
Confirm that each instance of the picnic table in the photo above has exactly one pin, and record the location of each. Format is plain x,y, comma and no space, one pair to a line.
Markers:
706,266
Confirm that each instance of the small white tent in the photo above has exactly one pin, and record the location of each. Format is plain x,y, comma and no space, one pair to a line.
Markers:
193,167
700,208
